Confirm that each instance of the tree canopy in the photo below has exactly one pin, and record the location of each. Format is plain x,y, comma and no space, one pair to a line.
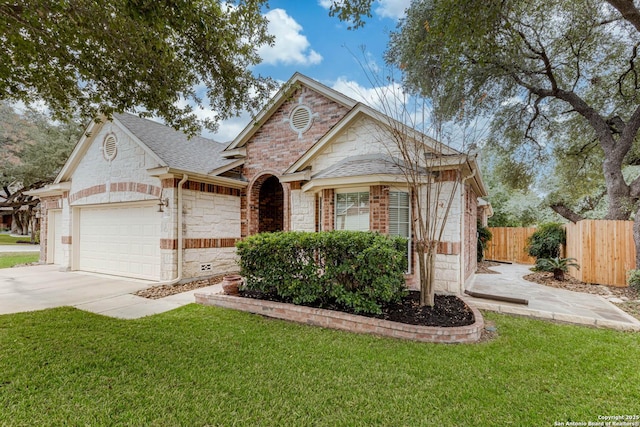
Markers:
154,57
33,148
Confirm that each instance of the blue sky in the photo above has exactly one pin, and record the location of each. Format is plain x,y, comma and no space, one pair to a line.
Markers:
308,40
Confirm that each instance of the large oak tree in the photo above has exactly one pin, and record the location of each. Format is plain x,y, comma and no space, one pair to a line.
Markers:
156,57
541,68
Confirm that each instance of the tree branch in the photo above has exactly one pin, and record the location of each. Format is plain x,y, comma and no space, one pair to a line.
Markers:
565,212
628,10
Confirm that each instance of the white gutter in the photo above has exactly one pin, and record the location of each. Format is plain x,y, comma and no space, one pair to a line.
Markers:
180,236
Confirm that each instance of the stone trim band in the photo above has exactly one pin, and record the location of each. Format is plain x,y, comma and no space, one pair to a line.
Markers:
134,187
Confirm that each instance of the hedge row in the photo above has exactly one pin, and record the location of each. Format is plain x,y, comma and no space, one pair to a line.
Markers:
359,270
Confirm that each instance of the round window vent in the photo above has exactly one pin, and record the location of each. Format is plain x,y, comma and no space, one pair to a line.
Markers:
110,147
300,119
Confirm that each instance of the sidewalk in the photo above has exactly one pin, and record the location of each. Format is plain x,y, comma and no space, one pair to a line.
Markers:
19,248
546,302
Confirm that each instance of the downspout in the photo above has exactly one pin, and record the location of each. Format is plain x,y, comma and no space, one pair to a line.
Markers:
180,236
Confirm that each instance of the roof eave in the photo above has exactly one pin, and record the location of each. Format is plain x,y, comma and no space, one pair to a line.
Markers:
50,190
167,172
353,181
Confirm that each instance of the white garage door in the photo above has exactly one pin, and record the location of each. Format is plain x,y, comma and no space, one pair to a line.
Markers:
120,240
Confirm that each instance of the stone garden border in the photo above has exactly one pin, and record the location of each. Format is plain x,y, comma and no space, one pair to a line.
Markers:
348,322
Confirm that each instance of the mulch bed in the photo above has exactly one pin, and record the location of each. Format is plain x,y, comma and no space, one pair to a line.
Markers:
161,291
448,311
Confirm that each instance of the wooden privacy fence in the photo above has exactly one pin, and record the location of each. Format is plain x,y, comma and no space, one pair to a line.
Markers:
509,244
604,250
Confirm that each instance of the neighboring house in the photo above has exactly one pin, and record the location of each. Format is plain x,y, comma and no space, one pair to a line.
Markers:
134,191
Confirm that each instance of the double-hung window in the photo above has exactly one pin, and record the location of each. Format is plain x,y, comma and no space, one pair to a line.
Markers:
400,218
352,211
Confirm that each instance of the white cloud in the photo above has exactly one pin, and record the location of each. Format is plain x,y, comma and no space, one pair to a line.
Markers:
230,128
291,46
325,3
394,9
381,98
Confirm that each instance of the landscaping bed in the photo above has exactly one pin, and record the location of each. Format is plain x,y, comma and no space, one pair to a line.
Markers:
448,311
334,319
571,284
161,291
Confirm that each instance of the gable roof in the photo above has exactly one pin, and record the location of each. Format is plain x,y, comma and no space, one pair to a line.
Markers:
174,148
358,111
170,148
279,98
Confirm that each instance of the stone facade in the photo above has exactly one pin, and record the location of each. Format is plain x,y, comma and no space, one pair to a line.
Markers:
219,211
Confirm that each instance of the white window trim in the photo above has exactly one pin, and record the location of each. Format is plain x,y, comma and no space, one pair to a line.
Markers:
410,238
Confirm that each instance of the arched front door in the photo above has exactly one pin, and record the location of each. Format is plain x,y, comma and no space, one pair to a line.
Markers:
271,206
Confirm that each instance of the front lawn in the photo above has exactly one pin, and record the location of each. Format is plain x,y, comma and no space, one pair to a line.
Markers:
6,239
202,365
9,259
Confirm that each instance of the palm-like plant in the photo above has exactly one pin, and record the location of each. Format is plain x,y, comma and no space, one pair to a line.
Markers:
559,266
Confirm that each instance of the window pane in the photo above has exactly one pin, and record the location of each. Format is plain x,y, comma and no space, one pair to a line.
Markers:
352,211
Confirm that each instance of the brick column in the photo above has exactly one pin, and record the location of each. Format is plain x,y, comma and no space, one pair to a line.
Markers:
379,208
328,209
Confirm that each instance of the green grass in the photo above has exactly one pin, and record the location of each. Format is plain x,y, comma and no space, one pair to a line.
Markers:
9,259
6,239
209,366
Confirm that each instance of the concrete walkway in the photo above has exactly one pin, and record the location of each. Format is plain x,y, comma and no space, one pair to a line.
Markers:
45,286
19,248
546,302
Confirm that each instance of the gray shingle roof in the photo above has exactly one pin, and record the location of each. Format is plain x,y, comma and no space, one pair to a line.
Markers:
368,164
198,154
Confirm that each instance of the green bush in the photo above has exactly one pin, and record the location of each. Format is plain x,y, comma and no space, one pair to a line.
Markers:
634,279
484,236
547,241
359,270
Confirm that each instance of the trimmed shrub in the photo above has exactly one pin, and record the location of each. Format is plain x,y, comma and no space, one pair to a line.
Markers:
360,270
547,241
634,279
484,237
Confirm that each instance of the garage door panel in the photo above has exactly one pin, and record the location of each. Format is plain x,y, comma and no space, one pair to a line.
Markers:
123,241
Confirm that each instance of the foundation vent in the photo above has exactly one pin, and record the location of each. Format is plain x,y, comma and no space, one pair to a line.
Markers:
205,267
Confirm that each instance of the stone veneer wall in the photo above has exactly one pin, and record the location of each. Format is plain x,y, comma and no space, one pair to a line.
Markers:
303,211
211,227
470,232
47,204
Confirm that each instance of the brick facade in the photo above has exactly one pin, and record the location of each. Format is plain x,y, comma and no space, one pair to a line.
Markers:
379,208
328,209
215,217
275,146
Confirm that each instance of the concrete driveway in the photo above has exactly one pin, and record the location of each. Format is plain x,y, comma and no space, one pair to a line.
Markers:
44,286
